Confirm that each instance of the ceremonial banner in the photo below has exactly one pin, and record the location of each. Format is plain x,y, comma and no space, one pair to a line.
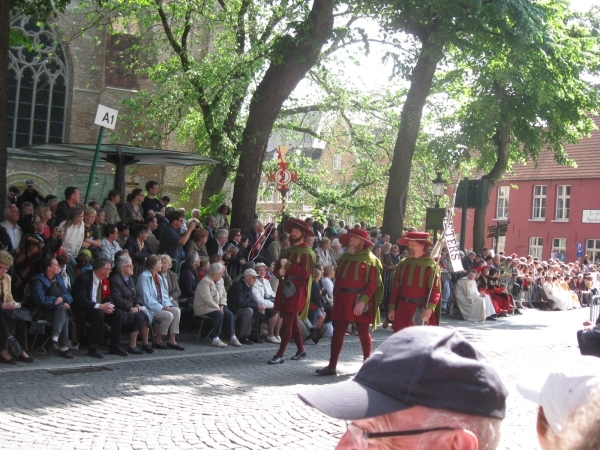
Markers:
452,244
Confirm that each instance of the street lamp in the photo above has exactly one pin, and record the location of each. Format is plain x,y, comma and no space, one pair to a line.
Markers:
439,187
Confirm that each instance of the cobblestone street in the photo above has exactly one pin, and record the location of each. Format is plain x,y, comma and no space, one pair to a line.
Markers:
230,398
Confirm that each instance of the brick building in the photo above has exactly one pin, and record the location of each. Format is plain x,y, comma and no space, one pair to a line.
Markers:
551,208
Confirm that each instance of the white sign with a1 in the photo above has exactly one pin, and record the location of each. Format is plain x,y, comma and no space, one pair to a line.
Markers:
106,117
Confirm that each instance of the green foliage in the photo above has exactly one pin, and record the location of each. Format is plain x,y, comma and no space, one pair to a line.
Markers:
214,203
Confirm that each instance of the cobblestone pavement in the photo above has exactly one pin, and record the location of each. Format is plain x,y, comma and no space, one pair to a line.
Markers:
230,398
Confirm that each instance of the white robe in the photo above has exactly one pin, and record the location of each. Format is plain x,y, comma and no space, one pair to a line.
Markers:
562,302
472,305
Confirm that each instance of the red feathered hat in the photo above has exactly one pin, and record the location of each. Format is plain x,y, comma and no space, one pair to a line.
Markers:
420,236
300,224
356,232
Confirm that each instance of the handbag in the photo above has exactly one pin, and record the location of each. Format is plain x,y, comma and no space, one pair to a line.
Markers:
21,314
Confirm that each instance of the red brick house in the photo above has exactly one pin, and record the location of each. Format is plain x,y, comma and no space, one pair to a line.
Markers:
551,208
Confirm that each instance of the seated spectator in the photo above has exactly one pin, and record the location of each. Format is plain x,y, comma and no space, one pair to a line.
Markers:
392,392
197,242
110,245
94,204
188,276
8,315
204,266
73,230
210,300
138,250
222,221
263,294
242,305
324,253
11,224
67,272
44,213
170,279
100,220
151,240
316,313
474,305
171,241
568,397
154,296
110,207
50,295
92,239
559,301
123,228
274,248
123,296
90,306
217,245
65,208
468,262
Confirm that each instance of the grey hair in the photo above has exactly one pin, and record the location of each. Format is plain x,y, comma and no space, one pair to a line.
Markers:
7,209
215,268
195,211
122,260
191,258
254,222
335,242
221,232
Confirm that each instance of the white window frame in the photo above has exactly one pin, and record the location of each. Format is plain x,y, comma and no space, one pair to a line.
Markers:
337,161
536,246
563,202
502,202
501,243
559,244
592,250
538,211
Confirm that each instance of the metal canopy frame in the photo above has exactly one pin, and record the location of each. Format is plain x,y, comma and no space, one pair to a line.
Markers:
119,155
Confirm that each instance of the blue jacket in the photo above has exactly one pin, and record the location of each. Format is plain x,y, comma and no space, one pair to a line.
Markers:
147,295
40,295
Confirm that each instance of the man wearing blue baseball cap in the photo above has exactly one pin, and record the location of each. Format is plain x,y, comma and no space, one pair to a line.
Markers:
424,388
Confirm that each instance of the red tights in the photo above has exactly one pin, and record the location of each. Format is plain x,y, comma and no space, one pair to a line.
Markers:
290,327
339,331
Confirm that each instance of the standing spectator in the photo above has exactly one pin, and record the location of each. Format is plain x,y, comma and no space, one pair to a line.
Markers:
110,206
238,259
109,245
154,296
324,253
151,240
132,211
90,306
256,229
330,232
64,208
171,242
12,194
49,293
211,225
151,204
30,195
222,221
11,224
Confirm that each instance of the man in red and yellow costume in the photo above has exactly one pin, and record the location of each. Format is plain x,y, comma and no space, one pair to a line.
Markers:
357,292
416,285
293,293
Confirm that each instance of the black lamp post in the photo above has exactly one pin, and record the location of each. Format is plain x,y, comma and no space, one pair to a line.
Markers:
439,187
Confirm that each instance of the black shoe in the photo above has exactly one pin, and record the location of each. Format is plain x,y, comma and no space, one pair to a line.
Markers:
66,354
246,340
147,349
117,351
135,351
326,371
490,318
276,360
161,346
175,347
258,340
95,353
11,361
298,355
27,359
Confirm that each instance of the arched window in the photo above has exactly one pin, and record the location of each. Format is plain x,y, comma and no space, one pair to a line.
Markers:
37,87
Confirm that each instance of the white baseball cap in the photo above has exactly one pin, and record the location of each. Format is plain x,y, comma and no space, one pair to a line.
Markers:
562,390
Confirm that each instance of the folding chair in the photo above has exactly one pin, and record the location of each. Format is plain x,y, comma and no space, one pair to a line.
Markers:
39,327
203,318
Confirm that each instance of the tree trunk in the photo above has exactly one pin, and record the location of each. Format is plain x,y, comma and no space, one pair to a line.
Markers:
502,140
281,78
4,49
404,149
214,183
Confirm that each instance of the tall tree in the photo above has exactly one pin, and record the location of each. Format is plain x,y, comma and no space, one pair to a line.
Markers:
434,27
41,10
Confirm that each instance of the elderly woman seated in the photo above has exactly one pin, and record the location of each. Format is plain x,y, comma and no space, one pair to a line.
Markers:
188,276
154,297
170,279
8,311
211,300
48,292
123,296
